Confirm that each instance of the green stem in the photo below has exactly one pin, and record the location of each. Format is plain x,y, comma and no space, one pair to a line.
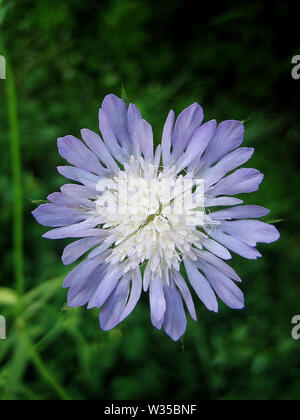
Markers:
45,374
16,176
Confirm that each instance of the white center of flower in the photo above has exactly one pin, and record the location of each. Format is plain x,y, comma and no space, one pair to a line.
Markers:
151,215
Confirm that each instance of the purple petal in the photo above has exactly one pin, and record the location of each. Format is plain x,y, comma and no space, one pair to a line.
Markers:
225,288
175,319
157,324
101,248
75,231
75,250
198,144
157,301
184,290
240,212
219,264
79,175
251,231
235,245
106,287
76,153
54,216
216,248
110,140
82,271
241,181
78,191
167,138
185,126
116,112
143,140
62,200
147,277
135,294
201,286
229,136
110,314
222,201
226,164
96,144
133,118
157,157
81,293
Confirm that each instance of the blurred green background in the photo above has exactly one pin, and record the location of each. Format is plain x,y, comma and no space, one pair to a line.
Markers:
63,58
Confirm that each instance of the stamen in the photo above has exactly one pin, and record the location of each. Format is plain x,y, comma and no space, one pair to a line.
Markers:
151,230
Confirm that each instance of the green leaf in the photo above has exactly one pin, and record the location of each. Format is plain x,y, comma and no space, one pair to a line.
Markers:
17,366
37,297
247,120
45,373
8,297
37,202
124,94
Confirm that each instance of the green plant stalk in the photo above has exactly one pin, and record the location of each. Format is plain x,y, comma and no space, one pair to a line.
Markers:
17,366
16,176
25,350
44,372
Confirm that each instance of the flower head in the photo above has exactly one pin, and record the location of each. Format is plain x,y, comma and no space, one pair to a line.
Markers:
142,214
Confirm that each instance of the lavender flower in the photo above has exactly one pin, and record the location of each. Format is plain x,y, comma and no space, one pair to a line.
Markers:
147,245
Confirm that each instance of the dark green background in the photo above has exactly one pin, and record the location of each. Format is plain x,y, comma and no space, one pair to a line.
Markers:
234,60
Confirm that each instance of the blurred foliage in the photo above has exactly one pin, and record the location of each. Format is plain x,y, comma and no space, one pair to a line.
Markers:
235,60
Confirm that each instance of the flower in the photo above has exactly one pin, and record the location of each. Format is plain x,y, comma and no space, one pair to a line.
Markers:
148,243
